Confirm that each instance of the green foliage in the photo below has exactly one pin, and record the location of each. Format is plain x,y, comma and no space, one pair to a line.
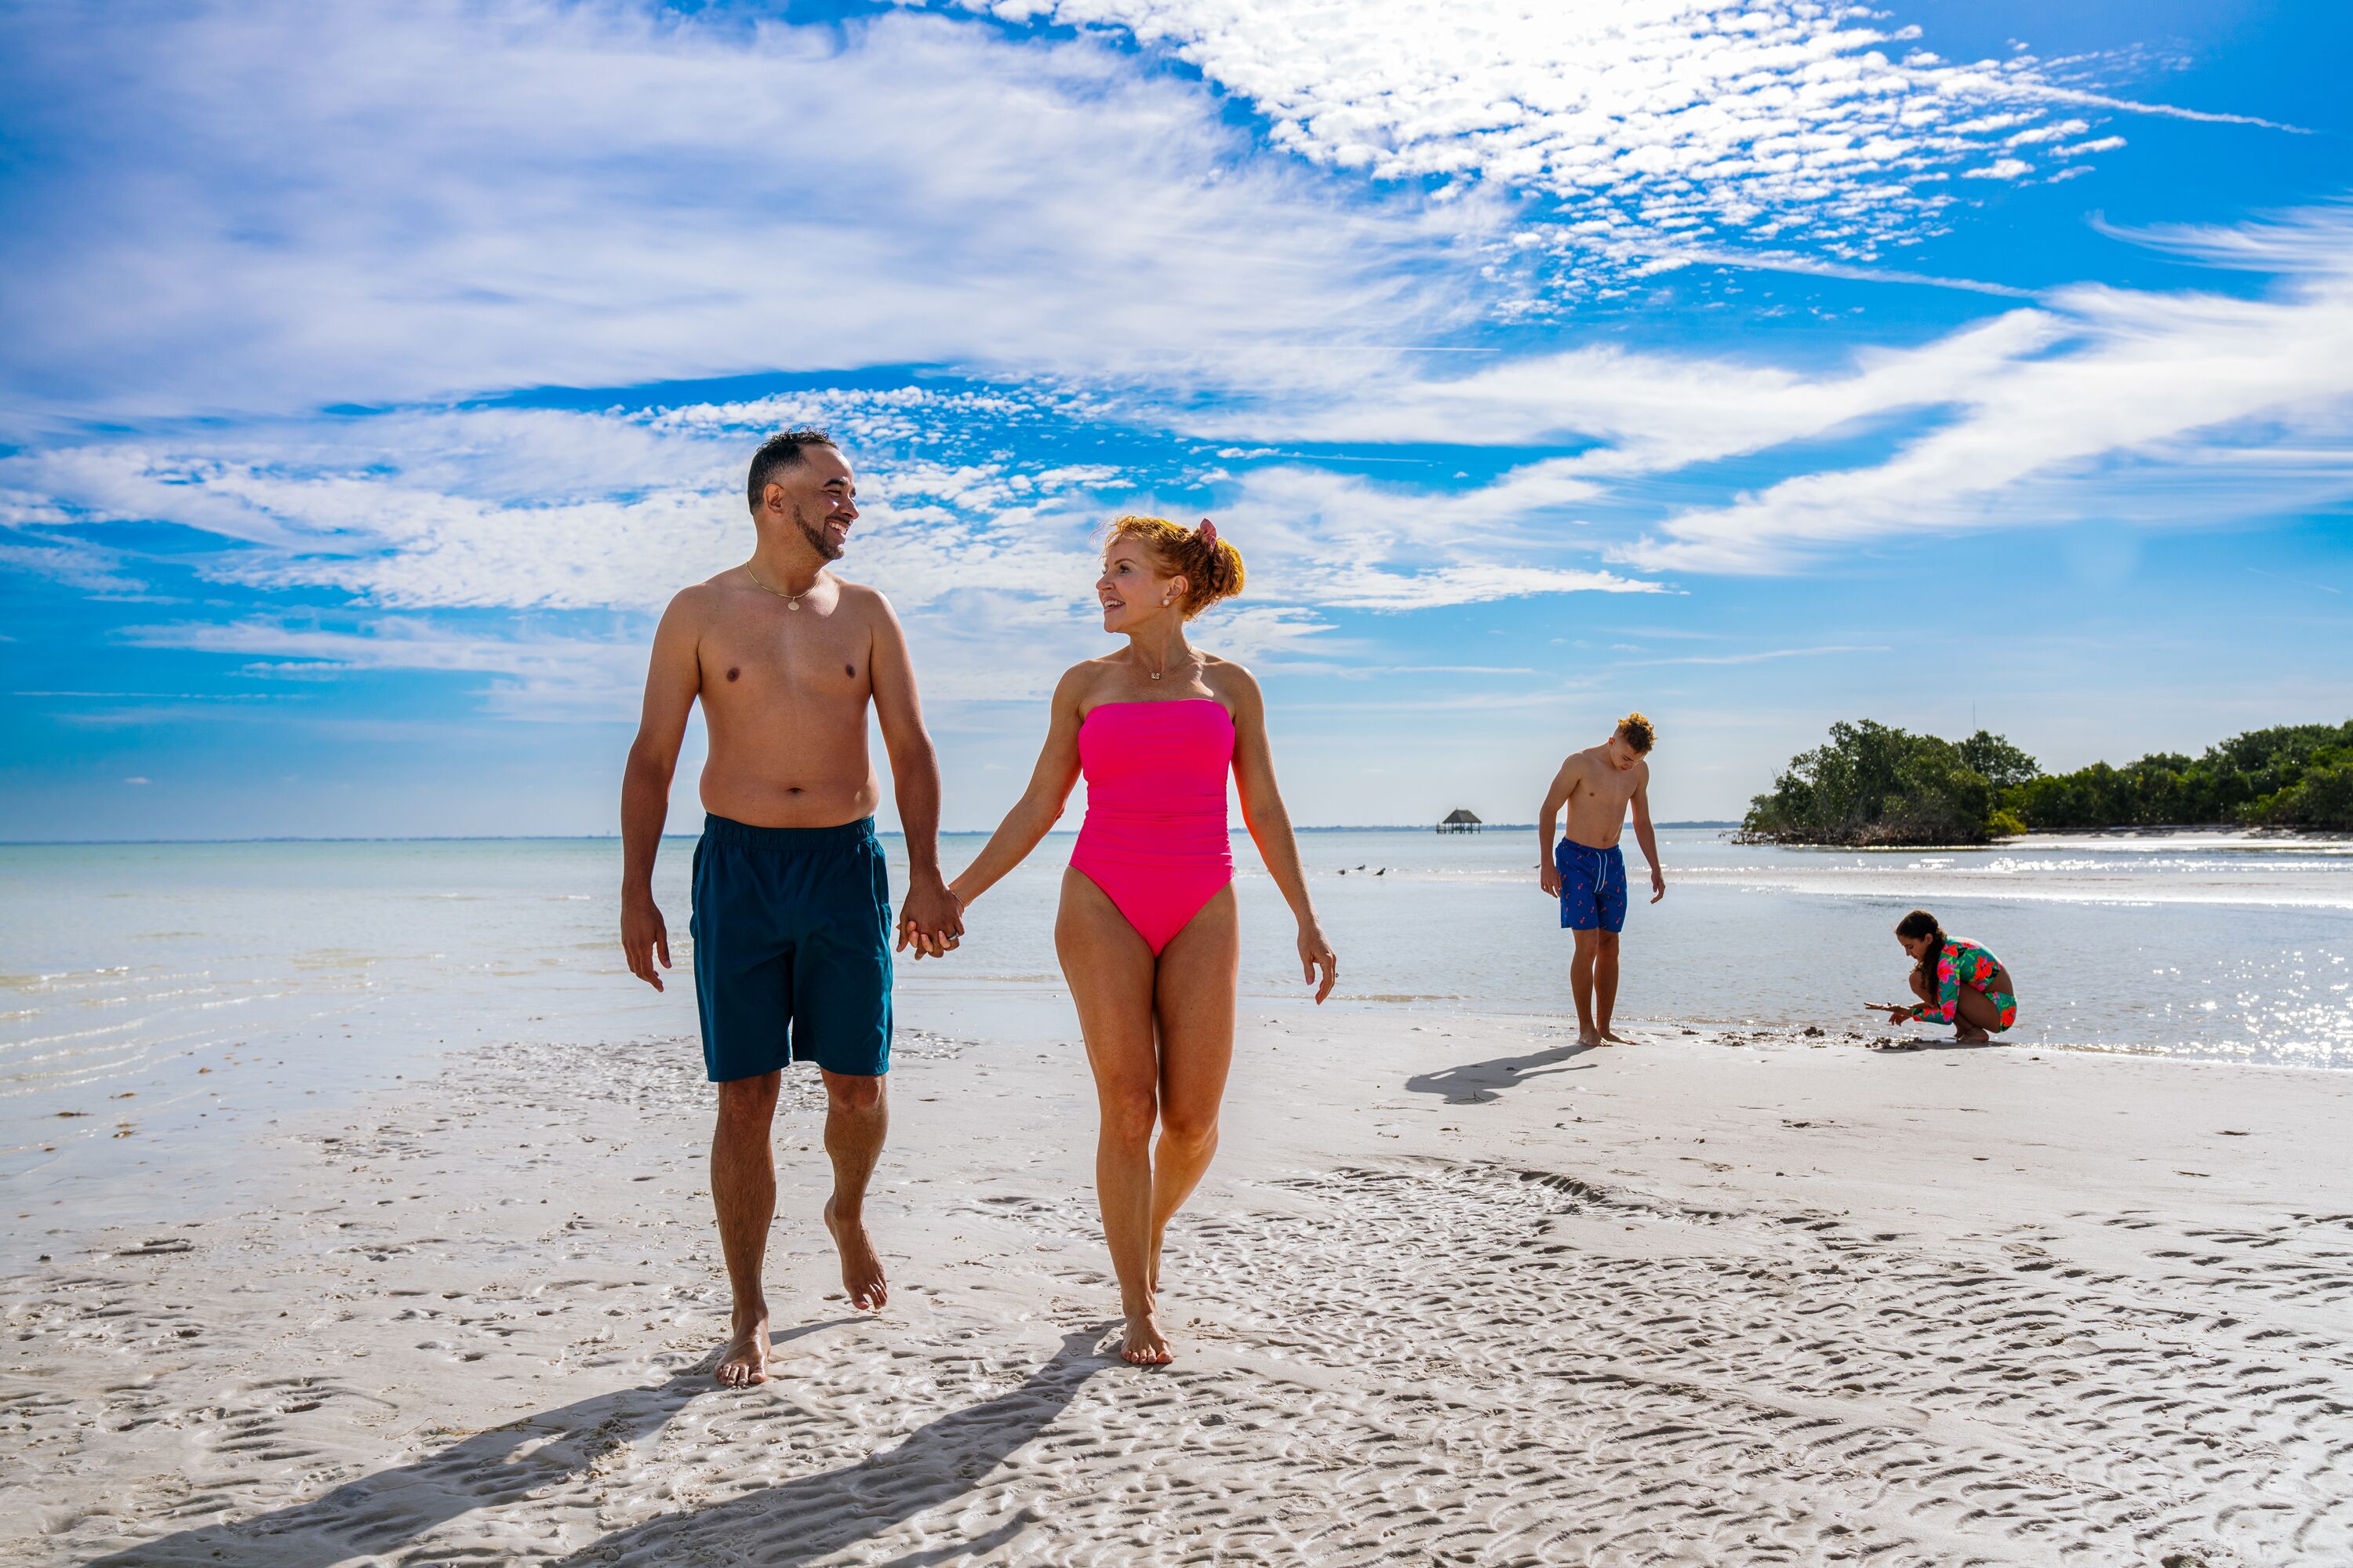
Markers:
2279,777
2322,798
1874,784
2005,767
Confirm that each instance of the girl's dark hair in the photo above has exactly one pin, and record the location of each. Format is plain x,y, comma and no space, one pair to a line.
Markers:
1919,924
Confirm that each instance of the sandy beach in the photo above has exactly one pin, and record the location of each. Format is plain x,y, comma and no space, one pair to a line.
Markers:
1456,1291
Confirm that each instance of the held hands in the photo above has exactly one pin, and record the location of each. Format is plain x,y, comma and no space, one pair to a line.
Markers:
1315,953
644,938
932,919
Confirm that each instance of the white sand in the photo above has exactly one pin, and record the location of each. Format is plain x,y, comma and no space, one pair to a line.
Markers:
1452,1294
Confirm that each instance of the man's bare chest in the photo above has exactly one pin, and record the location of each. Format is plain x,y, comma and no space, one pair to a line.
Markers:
1609,789
784,655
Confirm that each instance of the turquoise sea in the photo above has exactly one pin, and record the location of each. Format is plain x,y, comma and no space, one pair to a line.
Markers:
187,986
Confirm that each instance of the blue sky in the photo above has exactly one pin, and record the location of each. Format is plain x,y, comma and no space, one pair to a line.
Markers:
371,374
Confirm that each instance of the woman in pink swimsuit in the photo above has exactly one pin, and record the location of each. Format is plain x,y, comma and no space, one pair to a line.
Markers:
1146,932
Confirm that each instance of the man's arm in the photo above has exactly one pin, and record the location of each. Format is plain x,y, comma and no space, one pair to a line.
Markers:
1645,836
929,917
1564,785
673,677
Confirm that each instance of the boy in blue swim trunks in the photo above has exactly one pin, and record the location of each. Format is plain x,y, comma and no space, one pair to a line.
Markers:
792,912
1586,870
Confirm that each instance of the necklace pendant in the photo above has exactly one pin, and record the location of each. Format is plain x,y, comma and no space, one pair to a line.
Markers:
1153,673
792,604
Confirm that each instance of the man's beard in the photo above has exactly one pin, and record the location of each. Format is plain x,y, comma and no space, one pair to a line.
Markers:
827,550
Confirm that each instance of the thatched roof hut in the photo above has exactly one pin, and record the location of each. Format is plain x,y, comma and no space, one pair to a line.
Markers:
1459,821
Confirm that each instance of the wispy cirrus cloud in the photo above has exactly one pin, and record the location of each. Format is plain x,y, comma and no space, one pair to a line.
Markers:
1650,124
1760,656
2190,406
534,674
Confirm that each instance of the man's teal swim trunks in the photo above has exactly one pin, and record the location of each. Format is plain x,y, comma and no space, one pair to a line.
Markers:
791,949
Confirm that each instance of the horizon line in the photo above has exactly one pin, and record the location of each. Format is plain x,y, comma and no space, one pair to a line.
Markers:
616,838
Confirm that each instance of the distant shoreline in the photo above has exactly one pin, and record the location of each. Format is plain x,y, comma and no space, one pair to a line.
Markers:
616,838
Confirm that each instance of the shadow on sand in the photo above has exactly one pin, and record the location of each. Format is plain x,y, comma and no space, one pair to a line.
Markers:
384,1509
1477,1082
1904,1045
816,1516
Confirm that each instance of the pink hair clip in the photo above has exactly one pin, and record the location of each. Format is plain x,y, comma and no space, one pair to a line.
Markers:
1208,531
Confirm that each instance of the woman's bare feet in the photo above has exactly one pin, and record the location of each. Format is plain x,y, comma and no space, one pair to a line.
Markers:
862,1269
1152,1264
1143,1344
1969,1033
746,1359
1611,1037
1590,1037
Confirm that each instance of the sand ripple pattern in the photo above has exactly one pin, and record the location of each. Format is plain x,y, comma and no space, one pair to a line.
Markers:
1403,1363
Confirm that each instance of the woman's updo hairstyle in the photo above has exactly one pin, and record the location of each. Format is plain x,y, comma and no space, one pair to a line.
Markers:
1211,566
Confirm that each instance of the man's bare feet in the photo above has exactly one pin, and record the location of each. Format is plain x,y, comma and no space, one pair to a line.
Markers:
1590,1037
1143,1344
746,1359
1611,1037
862,1269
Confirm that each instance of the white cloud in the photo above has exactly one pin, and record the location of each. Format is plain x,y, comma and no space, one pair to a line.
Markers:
1648,412
535,676
2132,406
1762,656
274,204
553,510
1644,117
2150,408
1364,589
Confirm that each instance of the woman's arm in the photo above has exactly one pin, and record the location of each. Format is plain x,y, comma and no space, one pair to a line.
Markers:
1269,823
1041,803
1948,1005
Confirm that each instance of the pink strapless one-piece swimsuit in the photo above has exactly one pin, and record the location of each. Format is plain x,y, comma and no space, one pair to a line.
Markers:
1154,835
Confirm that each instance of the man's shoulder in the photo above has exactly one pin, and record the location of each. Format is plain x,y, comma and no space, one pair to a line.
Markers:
696,601
860,598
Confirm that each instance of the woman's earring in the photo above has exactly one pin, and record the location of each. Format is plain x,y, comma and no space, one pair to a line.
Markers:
1168,599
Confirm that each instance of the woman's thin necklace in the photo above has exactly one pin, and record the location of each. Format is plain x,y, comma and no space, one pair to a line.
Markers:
1156,674
793,601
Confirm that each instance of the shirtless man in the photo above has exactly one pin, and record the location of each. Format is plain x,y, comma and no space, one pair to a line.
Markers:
1588,870
791,914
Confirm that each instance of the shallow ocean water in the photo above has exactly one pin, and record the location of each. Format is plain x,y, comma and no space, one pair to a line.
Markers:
141,983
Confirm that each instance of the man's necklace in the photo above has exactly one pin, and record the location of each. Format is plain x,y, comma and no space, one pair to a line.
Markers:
793,601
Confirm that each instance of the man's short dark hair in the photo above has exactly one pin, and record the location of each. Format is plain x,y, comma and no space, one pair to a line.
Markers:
780,452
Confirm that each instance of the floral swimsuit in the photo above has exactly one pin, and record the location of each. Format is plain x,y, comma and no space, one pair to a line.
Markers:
1967,964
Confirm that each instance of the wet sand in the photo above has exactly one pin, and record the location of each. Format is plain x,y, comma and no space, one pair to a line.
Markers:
1456,1291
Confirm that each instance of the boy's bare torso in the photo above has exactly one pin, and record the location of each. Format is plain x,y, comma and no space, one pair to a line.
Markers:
1596,807
784,690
